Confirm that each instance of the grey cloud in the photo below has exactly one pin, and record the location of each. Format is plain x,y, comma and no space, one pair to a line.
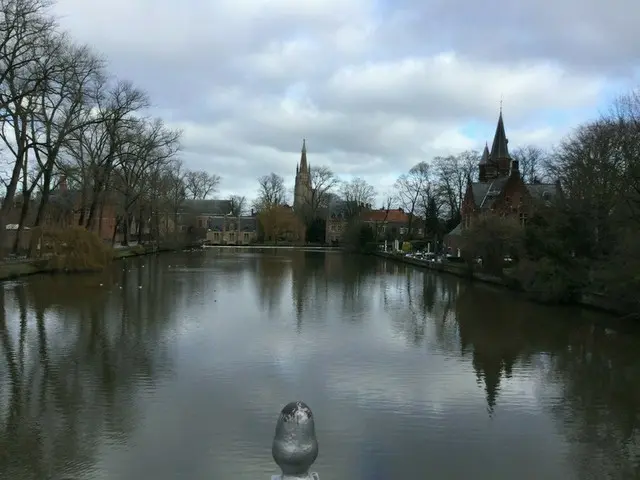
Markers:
588,34
248,83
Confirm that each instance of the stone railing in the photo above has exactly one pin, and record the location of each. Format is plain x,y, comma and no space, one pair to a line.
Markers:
295,446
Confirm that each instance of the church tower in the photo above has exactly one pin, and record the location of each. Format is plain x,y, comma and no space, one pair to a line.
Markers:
497,162
302,189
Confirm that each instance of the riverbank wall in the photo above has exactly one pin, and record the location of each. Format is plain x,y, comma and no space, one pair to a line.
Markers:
594,301
20,268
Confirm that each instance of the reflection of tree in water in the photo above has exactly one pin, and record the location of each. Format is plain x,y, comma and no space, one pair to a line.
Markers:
598,374
594,370
272,267
355,280
415,298
307,271
75,350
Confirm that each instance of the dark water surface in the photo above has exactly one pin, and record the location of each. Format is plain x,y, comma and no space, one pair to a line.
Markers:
176,366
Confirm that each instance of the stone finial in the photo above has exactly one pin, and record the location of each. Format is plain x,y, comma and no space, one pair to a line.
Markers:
295,446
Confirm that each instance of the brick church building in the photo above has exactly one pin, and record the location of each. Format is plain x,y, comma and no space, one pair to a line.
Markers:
499,190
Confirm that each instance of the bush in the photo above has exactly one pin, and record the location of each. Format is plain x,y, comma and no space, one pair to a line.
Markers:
546,280
76,250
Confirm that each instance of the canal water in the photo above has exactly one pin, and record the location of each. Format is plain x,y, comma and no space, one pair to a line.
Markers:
176,366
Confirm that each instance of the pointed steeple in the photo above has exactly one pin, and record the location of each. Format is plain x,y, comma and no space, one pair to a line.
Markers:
303,157
485,155
499,148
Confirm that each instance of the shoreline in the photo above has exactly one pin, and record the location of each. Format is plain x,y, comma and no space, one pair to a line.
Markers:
24,268
592,301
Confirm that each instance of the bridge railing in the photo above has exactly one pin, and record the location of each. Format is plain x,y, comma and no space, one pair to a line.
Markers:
295,446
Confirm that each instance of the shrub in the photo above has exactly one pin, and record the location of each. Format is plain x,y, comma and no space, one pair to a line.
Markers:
546,280
76,250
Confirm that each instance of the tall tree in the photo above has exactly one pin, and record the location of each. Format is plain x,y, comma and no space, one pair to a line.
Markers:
238,205
531,163
271,192
452,175
73,79
411,188
25,30
148,145
200,184
323,182
357,194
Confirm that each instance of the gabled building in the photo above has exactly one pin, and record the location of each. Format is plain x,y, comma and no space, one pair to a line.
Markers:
216,221
499,190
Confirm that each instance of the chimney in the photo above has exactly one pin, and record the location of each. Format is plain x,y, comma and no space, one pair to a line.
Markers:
63,184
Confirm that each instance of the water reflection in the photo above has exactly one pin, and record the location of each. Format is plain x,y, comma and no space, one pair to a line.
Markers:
175,366
73,355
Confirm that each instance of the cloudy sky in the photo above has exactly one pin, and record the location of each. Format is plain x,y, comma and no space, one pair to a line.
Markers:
374,85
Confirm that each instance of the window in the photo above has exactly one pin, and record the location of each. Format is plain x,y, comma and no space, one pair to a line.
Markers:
523,219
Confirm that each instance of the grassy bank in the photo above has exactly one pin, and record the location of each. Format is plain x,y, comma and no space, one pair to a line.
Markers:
587,300
20,268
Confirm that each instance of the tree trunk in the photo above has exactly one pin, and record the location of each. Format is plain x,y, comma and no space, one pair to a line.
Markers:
23,217
115,230
7,203
41,210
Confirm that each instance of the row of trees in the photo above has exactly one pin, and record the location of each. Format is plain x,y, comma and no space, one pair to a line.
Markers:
67,124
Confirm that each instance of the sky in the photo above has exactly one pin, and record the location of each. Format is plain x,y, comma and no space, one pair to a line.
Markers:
374,86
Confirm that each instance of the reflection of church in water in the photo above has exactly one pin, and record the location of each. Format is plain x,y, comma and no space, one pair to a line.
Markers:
495,341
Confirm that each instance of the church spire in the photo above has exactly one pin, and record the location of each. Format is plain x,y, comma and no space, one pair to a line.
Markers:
485,155
303,157
499,148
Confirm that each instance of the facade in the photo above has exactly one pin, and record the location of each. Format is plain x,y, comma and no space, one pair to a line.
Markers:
303,189
217,223
387,224
228,230
499,190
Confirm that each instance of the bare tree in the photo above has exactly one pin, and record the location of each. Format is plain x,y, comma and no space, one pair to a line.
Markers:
173,176
411,188
73,76
115,109
357,194
452,175
149,144
531,162
25,30
238,205
200,184
271,192
323,182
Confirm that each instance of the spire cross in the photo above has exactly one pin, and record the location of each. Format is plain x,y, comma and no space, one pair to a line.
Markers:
501,98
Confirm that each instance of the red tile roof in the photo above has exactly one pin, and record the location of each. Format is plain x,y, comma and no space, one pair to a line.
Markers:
392,216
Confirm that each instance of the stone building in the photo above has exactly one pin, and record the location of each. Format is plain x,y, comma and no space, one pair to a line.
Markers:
217,223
